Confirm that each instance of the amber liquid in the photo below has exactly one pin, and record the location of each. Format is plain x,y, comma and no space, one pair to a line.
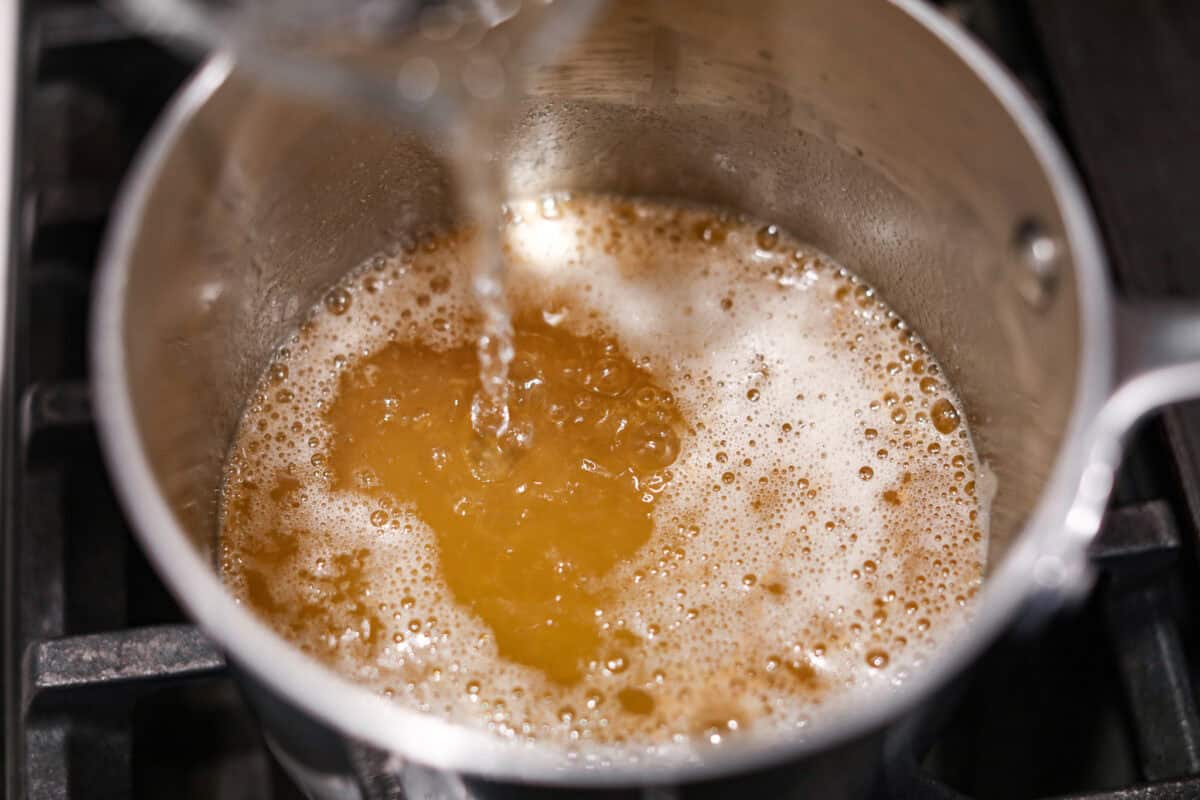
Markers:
733,488
527,527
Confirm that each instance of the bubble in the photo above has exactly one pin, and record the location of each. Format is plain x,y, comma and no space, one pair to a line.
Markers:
944,416
610,377
877,659
338,301
635,701
646,397
654,445
278,372
716,731
866,473
709,231
616,664
767,238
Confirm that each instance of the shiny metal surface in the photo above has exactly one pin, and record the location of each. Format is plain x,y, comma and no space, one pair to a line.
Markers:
878,132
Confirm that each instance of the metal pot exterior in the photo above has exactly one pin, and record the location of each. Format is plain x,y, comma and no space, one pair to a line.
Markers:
330,766
878,132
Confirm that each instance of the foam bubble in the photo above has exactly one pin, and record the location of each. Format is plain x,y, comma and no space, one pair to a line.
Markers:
822,529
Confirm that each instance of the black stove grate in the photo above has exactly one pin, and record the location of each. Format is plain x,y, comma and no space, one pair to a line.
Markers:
110,693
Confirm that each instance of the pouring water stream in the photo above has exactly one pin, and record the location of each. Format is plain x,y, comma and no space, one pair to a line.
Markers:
438,67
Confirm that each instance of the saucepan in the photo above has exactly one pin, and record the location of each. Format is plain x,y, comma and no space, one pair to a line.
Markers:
879,132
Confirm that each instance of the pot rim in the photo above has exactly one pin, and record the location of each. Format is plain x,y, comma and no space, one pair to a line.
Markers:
1037,561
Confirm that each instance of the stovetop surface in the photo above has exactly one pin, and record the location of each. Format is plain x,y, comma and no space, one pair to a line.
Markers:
126,700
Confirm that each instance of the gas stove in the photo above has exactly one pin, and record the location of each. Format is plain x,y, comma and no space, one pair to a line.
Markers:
110,692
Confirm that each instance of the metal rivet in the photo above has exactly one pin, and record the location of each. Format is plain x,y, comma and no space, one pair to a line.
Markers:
1039,255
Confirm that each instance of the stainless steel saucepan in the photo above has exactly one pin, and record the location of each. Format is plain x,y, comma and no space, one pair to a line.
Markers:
879,132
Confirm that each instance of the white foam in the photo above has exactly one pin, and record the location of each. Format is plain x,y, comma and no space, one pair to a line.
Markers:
713,323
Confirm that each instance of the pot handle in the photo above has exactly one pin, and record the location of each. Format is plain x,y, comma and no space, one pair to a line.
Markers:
1158,359
1157,364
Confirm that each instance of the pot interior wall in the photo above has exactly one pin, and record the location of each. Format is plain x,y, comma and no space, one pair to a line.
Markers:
844,122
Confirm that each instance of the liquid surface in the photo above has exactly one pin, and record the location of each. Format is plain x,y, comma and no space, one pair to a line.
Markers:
734,491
